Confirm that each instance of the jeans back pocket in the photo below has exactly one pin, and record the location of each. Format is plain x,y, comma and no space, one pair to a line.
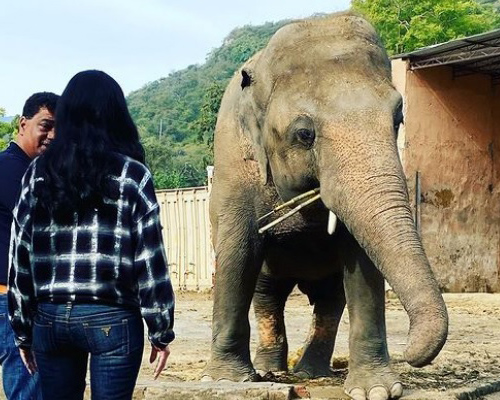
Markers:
110,339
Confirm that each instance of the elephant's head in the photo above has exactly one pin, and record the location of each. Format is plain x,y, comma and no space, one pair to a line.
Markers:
320,109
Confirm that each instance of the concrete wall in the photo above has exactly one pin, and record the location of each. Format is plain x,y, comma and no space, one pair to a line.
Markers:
452,136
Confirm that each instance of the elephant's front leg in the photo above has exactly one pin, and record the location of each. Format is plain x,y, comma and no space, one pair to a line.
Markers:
269,304
328,298
370,376
238,260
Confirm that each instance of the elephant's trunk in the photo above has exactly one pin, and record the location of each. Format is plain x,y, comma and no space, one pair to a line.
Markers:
368,193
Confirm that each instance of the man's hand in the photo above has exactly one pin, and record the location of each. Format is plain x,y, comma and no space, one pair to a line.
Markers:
28,360
162,359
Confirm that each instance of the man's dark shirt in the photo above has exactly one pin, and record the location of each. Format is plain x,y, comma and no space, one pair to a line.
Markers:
13,164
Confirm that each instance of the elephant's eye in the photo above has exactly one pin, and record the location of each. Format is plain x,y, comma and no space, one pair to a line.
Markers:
306,137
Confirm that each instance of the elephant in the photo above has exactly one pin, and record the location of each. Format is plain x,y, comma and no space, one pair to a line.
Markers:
315,111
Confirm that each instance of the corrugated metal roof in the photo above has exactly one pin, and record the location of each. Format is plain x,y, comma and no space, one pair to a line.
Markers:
470,55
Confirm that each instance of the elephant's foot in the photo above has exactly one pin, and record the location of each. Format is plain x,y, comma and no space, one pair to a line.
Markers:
315,362
377,383
310,369
270,360
227,370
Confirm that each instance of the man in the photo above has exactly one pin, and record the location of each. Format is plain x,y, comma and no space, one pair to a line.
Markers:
36,131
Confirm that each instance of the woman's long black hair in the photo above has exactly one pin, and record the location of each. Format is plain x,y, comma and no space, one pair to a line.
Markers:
92,123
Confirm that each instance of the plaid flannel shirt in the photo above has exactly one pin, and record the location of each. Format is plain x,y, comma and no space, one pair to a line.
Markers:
113,254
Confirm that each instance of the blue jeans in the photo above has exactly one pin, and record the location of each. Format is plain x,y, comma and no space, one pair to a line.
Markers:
65,334
18,384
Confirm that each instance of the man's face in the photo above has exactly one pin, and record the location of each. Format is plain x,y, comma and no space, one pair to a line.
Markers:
36,133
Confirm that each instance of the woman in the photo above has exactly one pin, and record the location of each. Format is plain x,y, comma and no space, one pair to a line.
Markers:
88,257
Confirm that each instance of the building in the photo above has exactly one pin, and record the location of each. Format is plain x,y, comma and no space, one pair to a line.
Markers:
450,149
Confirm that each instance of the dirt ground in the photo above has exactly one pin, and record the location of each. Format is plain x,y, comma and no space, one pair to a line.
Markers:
470,357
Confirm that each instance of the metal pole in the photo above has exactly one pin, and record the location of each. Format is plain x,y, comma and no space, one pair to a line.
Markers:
418,194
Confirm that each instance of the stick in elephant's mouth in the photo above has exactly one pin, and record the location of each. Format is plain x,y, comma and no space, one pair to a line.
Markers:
290,203
312,196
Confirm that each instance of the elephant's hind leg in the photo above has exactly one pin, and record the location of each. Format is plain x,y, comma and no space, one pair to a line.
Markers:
328,298
269,303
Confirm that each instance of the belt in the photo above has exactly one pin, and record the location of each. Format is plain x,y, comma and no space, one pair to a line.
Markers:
3,289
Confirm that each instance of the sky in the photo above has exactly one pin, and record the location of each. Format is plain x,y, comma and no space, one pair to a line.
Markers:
44,43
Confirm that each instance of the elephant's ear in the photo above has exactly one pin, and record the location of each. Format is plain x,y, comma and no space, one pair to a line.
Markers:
251,122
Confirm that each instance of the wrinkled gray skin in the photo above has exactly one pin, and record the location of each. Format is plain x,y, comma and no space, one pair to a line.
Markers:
316,108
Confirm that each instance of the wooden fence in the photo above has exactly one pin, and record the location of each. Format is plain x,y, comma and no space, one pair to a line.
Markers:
186,233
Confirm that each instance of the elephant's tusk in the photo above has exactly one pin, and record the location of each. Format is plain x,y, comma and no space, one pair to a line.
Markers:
290,203
332,222
289,213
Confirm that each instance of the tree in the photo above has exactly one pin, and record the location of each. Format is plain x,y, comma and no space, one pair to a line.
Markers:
405,25
175,165
205,124
8,130
14,125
